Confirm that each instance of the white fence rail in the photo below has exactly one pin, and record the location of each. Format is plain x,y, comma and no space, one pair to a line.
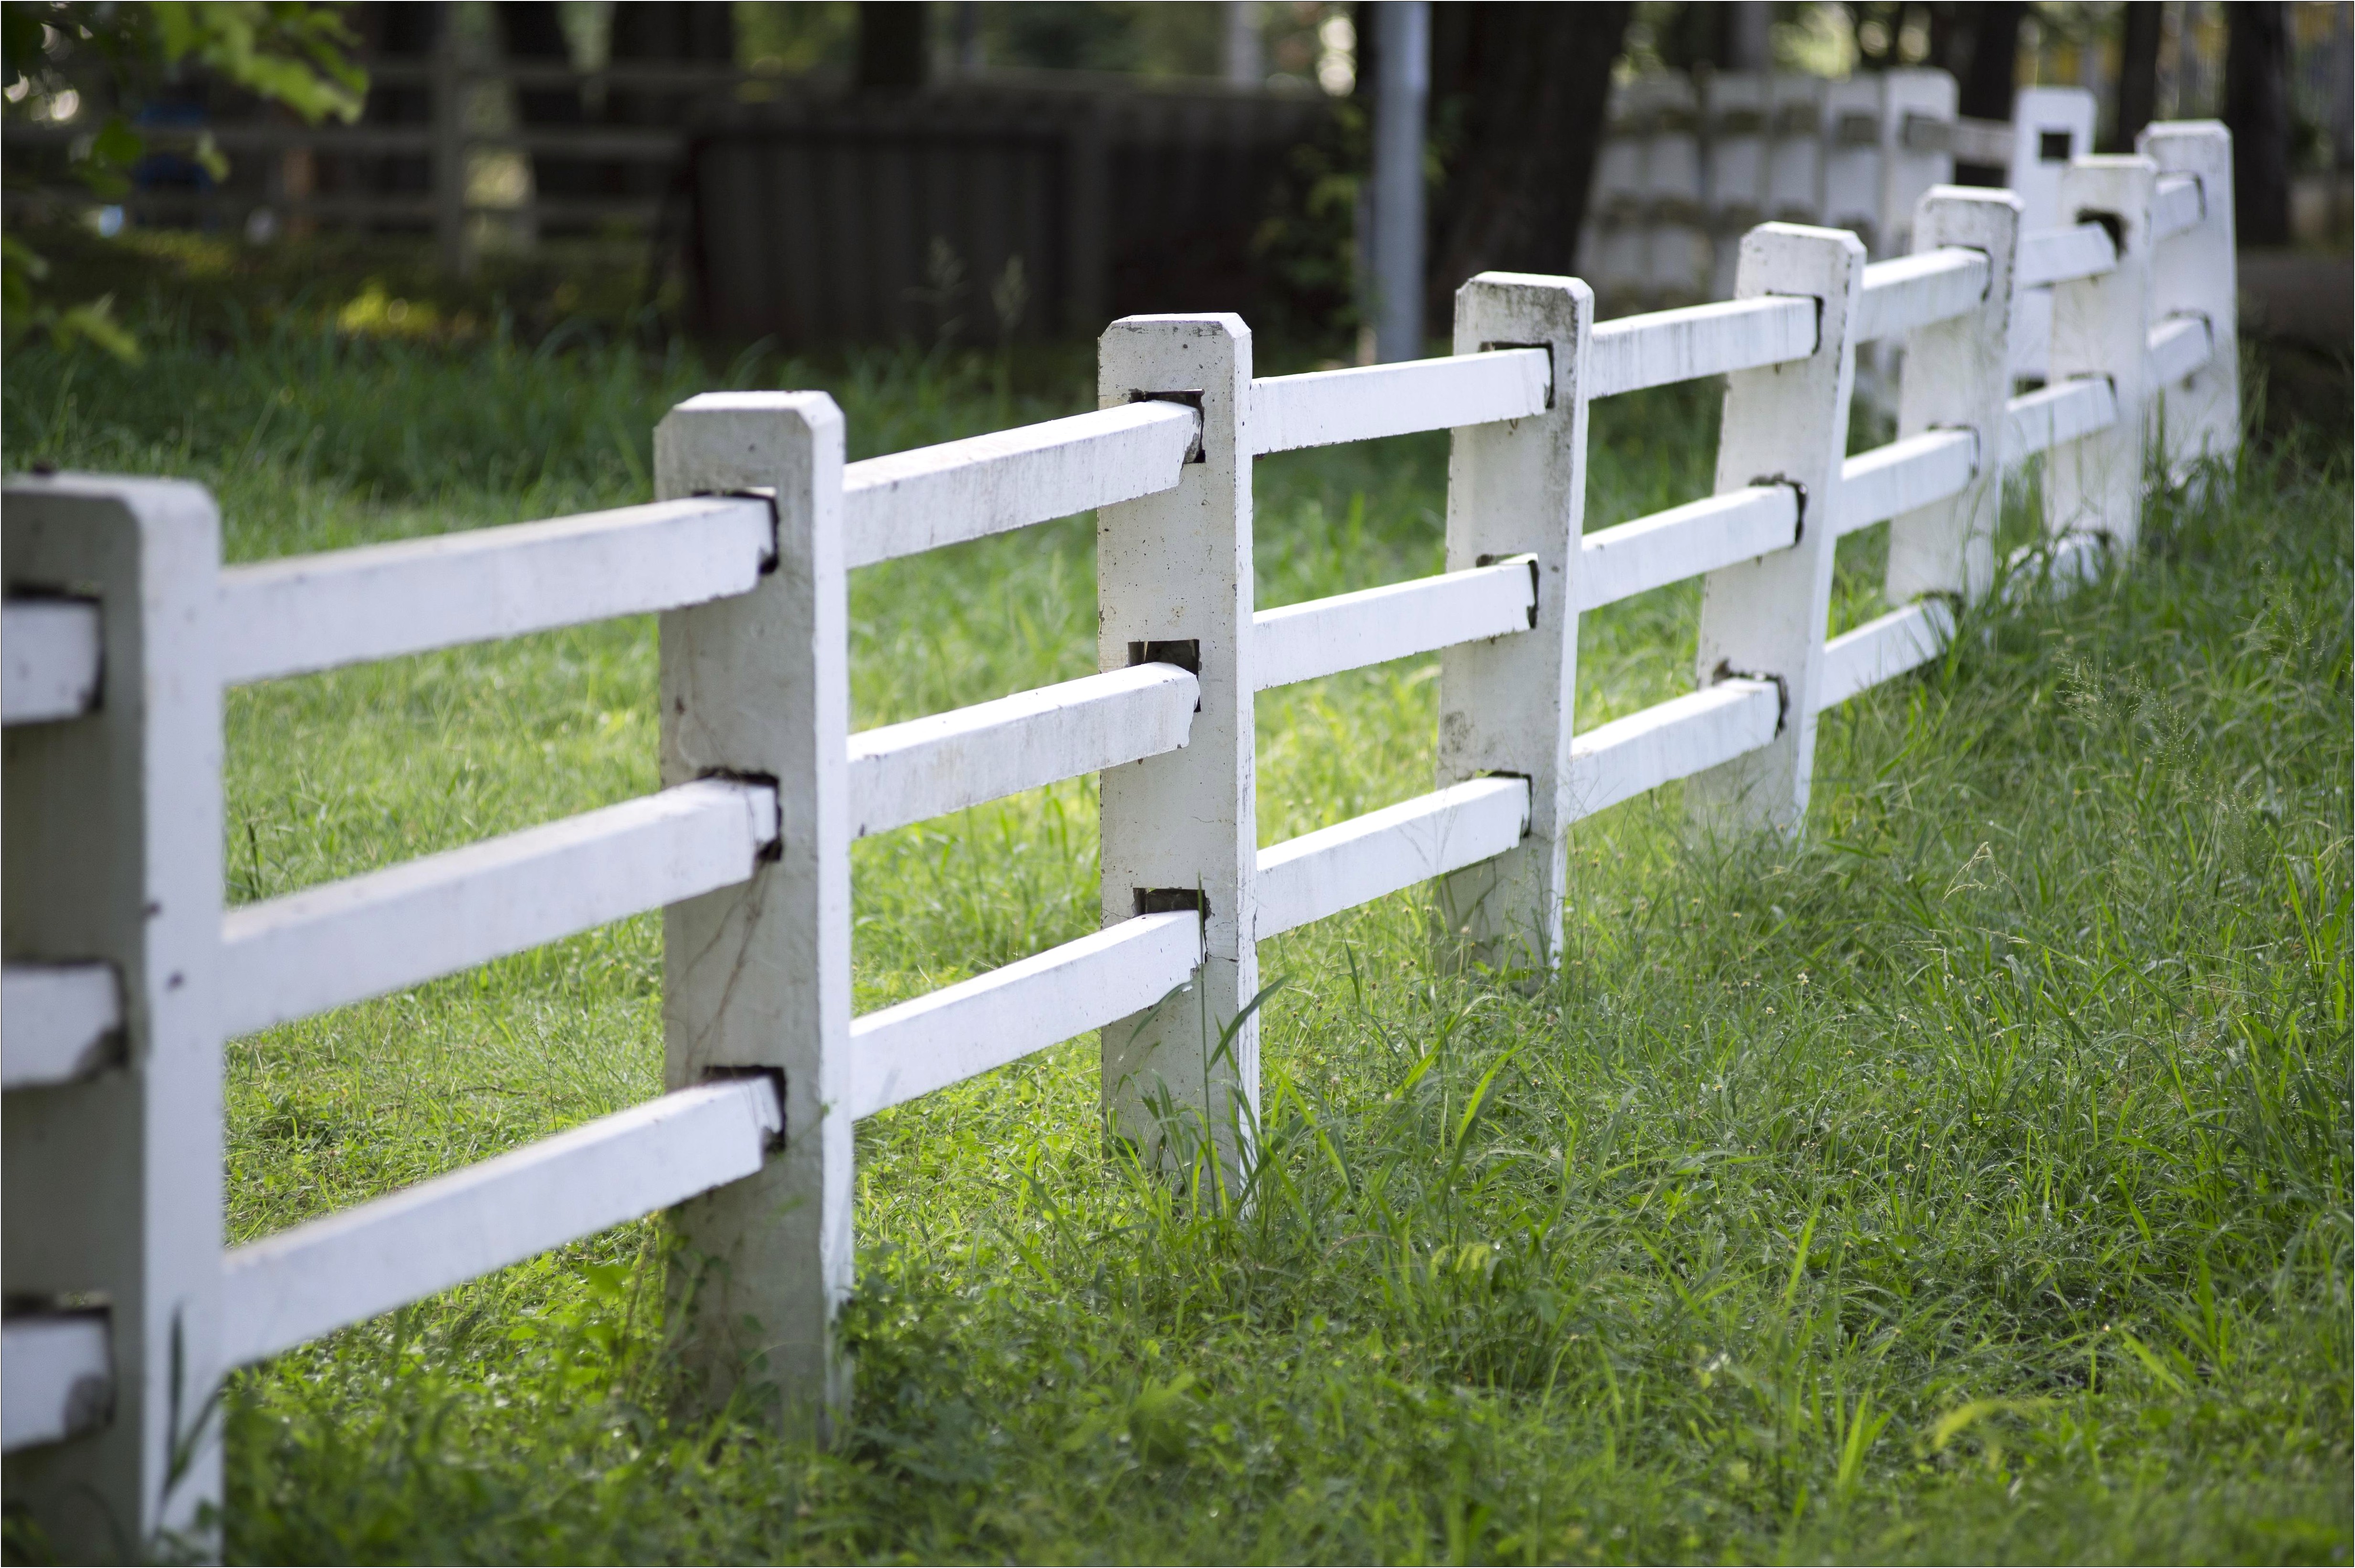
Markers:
123,974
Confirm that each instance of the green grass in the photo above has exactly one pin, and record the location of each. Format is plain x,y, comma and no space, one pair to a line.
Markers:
1970,1179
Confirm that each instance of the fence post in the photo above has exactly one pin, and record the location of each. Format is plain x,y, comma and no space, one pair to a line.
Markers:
1958,375
2101,327
1766,619
1909,172
756,978
2194,274
1506,706
1174,585
113,1181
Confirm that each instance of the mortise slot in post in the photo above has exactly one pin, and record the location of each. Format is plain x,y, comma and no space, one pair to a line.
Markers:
1186,652
2112,224
1798,500
1726,671
1170,900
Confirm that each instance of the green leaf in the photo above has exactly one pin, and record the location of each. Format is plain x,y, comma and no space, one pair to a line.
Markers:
94,323
116,143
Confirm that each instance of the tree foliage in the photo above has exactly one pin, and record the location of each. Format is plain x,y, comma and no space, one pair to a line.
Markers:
283,51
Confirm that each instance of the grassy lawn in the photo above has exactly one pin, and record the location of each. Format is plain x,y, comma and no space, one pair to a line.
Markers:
1967,1180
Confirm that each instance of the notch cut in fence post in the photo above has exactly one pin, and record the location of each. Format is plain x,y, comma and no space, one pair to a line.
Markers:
2101,327
1175,568
756,978
2195,274
1518,487
1766,619
1958,375
113,1182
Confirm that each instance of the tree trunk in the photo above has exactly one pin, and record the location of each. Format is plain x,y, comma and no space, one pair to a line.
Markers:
2137,74
661,32
1988,85
531,34
404,34
1988,82
2256,111
1518,95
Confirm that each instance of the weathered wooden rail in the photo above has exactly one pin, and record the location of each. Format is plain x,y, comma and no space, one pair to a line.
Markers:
125,972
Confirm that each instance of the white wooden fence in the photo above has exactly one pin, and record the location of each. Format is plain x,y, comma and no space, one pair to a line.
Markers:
121,629
1691,163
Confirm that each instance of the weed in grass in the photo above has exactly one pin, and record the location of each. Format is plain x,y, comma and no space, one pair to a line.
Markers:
1966,1181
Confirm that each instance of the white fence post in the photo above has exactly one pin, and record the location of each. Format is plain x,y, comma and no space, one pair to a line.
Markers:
1909,172
756,978
113,1180
1785,424
2194,274
1519,488
1174,585
1958,375
2101,327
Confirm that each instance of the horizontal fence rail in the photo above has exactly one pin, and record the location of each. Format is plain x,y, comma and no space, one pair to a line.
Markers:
2178,347
1320,874
2052,416
1326,407
1636,351
1348,631
48,660
2065,255
1685,541
2177,206
920,500
1913,291
57,1377
960,1030
300,1283
58,1023
1671,740
904,773
287,958
1883,648
319,613
120,629
1906,476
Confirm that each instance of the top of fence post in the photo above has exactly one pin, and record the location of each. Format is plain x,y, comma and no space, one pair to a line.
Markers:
1785,424
757,976
113,1181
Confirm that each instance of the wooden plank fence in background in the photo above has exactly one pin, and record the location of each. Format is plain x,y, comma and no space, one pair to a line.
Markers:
799,210
123,972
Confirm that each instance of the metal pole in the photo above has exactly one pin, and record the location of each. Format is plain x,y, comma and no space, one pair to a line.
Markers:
1402,83
1244,60
449,155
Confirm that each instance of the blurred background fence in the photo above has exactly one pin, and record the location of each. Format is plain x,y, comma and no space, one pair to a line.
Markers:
833,172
